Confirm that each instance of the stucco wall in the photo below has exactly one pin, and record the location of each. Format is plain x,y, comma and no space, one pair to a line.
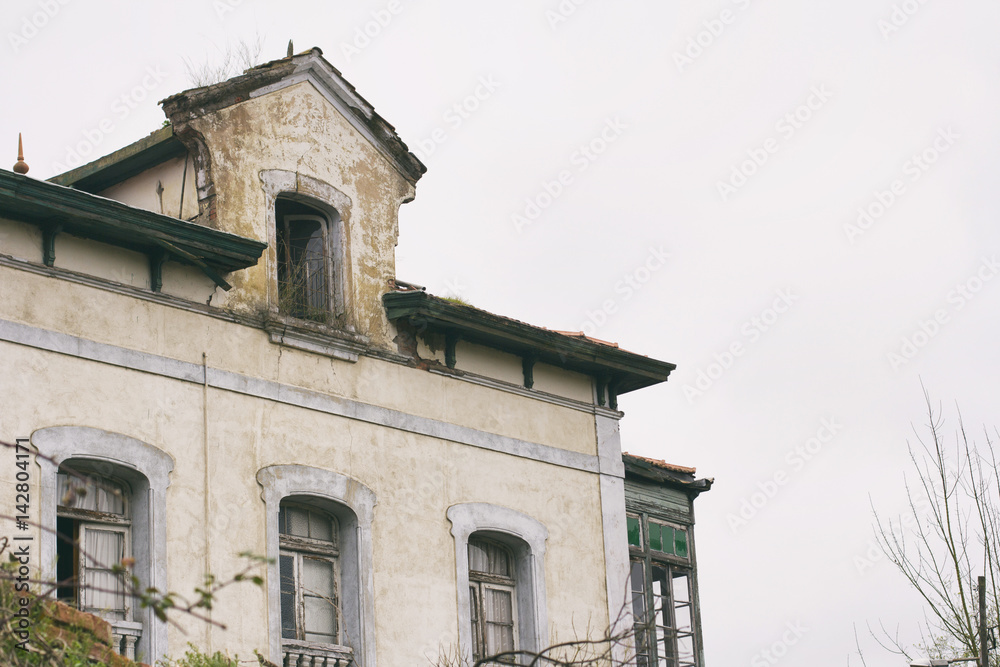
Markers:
316,141
111,263
205,384
141,190
140,325
415,477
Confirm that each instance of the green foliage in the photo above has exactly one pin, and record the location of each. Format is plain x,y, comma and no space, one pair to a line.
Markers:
52,645
195,658
43,650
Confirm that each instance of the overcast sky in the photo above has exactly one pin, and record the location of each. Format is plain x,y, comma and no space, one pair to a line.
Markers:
795,202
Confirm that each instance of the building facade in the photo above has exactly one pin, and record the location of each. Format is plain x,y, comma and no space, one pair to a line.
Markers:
207,326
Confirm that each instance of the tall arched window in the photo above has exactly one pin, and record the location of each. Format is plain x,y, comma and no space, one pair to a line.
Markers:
500,570
310,573
308,250
110,508
94,527
321,594
492,596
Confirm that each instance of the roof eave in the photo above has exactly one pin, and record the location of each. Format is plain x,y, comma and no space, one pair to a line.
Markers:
151,150
625,370
52,206
639,469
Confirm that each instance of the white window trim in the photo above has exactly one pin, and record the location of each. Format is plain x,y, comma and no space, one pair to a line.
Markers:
529,534
357,588
334,205
147,470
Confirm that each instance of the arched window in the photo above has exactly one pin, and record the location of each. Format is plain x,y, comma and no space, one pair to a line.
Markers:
321,594
94,527
500,568
308,256
309,571
492,597
106,493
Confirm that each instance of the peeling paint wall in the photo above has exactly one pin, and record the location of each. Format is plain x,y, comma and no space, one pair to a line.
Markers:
282,405
314,140
415,477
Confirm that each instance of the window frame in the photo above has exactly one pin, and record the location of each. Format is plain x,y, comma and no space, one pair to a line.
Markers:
331,256
332,204
82,586
648,558
353,505
479,582
525,537
298,548
145,470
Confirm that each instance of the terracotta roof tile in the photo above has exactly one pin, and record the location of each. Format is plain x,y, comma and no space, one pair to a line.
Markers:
660,463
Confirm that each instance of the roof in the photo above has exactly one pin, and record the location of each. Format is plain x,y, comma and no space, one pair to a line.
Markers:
659,463
580,334
661,472
310,65
61,209
623,371
284,72
151,150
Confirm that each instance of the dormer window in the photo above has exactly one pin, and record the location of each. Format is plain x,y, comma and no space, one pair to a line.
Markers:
307,256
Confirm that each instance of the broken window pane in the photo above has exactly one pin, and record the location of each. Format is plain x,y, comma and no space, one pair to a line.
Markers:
308,570
680,543
654,536
305,260
286,569
634,531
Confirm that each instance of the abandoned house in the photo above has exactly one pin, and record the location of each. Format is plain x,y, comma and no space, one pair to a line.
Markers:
208,324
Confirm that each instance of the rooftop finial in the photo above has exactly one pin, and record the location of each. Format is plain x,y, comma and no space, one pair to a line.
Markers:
290,49
20,167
